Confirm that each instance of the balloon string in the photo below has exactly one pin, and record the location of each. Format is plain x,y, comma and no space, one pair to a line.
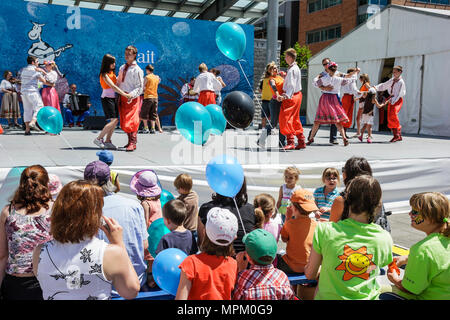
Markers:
239,215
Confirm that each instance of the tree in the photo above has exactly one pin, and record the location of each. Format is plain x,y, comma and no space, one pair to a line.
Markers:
303,56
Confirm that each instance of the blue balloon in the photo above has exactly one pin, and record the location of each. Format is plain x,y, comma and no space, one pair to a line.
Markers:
50,120
231,40
165,269
194,122
165,197
225,175
219,123
155,232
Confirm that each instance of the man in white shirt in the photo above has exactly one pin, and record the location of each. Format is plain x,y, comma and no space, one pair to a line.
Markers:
206,84
31,98
130,80
397,90
289,118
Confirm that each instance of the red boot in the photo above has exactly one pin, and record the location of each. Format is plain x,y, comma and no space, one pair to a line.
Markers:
133,141
300,142
394,132
129,140
290,142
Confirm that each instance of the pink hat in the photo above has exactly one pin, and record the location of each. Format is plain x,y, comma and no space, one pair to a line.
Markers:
145,184
221,226
54,184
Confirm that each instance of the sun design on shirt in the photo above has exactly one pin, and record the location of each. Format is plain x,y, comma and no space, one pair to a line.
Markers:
356,263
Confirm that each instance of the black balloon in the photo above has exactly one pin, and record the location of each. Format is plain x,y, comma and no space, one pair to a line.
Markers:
238,109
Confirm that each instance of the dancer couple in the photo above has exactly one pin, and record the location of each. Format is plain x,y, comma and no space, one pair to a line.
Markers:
289,94
129,85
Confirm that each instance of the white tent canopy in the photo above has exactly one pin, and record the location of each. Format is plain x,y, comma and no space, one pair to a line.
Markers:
418,39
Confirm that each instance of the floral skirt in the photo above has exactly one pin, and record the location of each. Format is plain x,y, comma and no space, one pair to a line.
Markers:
330,110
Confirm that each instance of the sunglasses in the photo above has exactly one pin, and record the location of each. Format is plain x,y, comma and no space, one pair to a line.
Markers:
324,64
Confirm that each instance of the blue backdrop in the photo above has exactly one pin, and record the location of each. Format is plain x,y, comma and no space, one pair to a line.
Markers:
77,38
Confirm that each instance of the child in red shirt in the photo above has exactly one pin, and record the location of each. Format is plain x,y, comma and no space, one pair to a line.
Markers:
211,274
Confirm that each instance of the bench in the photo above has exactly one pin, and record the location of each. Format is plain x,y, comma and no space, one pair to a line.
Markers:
158,294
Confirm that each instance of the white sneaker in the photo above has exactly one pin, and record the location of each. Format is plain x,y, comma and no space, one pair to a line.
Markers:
262,139
34,127
99,143
109,145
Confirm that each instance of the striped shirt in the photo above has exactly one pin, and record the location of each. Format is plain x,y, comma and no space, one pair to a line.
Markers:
263,283
325,201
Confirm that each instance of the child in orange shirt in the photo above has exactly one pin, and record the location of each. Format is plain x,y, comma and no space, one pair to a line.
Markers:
297,232
149,110
211,274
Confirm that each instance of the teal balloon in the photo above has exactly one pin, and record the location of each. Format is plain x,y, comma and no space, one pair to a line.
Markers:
194,122
219,123
155,232
225,175
50,120
166,271
231,40
165,197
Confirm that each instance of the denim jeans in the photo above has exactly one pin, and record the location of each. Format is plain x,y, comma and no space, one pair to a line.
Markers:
274,107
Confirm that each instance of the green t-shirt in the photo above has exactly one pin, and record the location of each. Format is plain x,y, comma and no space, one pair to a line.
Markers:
353,253
427,273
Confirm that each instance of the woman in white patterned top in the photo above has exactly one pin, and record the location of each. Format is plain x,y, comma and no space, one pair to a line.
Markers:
76,265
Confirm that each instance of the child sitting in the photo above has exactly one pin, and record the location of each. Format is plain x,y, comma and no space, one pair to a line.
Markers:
145,184
211,274
324,196
108,158
266,214
298,231
183,184
174,213
262,281
291,175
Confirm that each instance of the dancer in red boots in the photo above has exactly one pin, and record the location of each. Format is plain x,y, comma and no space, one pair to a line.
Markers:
397,90
131,81
289,118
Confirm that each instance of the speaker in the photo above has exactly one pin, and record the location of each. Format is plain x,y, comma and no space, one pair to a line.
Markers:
94,123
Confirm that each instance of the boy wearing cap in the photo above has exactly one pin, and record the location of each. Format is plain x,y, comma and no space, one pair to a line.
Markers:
298,232
211,274
262,281
108,158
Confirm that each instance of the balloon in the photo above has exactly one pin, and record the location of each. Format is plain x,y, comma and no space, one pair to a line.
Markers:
219,122
165,269
238,109
155,232
50,120
225,175
165,197
231,40
194,122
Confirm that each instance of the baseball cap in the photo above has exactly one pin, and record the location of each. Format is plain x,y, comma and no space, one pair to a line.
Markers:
221,226
305,199
97,170
105,156
260,243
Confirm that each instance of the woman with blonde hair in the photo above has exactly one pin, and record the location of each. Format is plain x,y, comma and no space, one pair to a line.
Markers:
49,93
427,272
77,265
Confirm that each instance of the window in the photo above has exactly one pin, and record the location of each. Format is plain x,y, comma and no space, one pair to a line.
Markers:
316,5
326,34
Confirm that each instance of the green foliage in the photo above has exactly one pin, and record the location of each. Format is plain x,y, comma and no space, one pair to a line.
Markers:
303,56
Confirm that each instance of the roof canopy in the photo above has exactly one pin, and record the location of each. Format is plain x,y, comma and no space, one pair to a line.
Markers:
239,11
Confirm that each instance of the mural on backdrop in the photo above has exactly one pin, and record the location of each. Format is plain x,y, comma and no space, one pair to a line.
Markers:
77,38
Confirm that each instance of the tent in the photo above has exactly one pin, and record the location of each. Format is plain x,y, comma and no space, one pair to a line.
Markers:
418,39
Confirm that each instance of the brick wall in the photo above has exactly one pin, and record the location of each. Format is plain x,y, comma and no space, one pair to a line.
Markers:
420,4
344,14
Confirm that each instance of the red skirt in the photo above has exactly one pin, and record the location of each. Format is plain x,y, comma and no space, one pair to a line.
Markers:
330,110
290,115
207,97
347,104
129,114
50,97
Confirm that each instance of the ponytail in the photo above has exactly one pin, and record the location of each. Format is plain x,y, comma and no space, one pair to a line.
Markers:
259,218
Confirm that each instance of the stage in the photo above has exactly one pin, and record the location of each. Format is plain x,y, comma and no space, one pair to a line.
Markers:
417,164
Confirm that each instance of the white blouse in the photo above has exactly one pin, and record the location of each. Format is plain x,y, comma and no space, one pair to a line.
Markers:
6,85
51,76
207,81
334,81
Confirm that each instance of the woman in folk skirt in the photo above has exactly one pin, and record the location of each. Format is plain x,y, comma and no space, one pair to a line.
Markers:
330,109
10,101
